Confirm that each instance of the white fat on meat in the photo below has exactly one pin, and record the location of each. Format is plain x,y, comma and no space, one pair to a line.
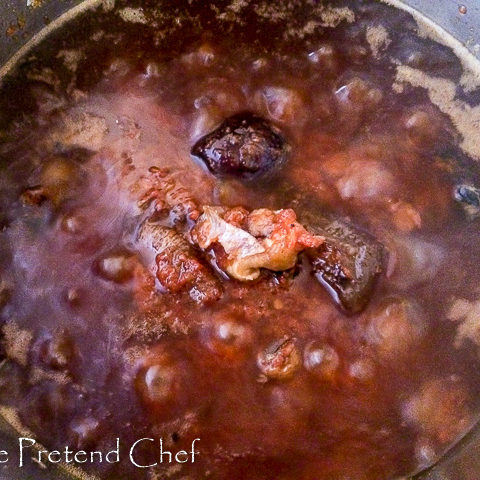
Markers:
270,240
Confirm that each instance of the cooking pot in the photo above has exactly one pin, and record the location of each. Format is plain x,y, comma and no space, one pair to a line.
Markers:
23,22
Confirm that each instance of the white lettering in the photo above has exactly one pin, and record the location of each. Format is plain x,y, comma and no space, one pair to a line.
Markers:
166,452
181,452
22,447
193,450
115,453
132,450
52,454
77,456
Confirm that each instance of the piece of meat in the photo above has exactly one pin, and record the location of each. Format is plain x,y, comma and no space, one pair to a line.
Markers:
244,146
240,246
347,263
167,194
178,267
280,360
282,236
266,239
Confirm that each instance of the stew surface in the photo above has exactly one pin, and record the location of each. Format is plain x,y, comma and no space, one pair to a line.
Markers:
248,223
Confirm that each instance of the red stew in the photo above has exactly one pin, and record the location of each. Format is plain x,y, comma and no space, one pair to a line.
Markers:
318,324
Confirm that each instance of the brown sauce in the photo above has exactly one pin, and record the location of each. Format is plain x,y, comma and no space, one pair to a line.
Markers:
95,348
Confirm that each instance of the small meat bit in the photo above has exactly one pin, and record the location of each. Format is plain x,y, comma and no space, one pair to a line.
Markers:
167,194
347,263
244,146
178,266
280,360
266,239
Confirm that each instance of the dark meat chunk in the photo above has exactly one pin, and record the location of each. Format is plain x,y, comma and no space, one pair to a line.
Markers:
244,145
47,403
469,197
179,266
347,263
